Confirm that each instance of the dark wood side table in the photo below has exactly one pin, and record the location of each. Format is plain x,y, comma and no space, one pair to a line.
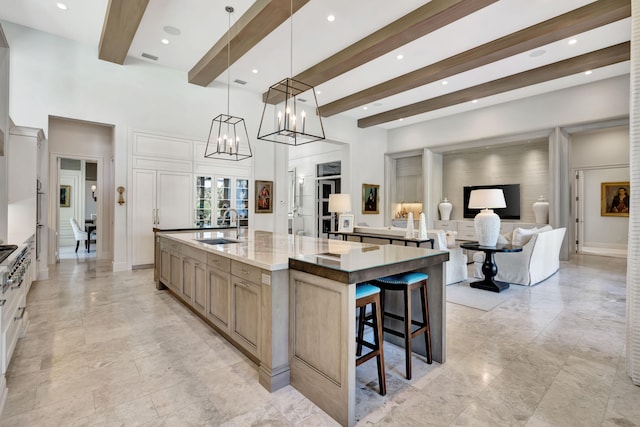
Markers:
489,267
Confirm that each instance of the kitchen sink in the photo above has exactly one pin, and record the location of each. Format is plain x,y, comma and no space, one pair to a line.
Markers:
218,241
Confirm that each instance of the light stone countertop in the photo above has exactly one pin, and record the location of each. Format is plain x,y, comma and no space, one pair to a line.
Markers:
271,251
264,249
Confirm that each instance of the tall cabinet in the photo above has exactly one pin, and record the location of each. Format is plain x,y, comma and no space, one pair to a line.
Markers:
174,186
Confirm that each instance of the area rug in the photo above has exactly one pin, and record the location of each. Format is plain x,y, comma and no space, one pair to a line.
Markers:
461,293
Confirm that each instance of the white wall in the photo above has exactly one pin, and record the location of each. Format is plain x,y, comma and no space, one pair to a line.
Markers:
596,101
368,167
602,156
524,164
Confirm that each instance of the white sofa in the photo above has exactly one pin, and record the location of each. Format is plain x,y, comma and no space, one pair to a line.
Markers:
455,269
539,259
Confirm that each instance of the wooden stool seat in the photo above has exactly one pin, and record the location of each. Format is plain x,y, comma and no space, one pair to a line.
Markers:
406,283
368,294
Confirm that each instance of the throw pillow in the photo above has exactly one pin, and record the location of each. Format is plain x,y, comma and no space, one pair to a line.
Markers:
545,228
503,239
521,236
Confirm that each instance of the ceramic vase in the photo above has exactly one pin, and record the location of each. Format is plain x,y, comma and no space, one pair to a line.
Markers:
445,209
541,210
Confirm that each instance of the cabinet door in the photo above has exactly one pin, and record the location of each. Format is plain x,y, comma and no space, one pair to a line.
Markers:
174,200
165,266
199,294
245,325
143,204
176,272
219,292
187,279
204,201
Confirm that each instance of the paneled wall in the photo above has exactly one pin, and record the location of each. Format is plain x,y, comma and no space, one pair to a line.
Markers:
526,164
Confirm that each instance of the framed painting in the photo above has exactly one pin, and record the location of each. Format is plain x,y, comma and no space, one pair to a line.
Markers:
370,198
65,196
614,198
345,223
264,197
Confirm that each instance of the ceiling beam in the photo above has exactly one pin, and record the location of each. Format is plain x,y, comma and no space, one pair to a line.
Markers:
256,23
120,26
427,18
583,19
589,61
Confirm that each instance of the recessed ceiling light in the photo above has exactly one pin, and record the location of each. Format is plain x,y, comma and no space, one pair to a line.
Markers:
444,82
400,119
588,72
474,101
537,53
62,6
171,30
400,56
331,18
165,41
254,71
573,41
364,108
318,92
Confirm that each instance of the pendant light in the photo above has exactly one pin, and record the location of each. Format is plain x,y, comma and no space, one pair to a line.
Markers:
228,136
290,114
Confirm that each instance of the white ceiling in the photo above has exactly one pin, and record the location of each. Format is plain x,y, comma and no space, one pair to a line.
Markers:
203,22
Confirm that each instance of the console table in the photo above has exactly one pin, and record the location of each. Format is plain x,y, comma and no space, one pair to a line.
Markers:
489,267
390,238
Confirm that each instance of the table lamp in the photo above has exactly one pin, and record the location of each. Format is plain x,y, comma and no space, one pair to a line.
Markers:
339,203
486,222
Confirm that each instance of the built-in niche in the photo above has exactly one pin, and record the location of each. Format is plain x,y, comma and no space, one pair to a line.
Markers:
409,188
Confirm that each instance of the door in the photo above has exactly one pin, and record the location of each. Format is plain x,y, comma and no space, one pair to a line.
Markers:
174,201
325,188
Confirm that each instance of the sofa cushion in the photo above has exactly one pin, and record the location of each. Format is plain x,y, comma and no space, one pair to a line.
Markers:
504,239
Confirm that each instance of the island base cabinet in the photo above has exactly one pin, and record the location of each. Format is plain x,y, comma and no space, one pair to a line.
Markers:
322,343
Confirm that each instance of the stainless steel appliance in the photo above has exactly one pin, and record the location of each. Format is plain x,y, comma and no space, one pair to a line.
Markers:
14,262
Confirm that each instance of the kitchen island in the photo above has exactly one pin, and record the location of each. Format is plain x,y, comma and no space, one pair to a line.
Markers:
288,302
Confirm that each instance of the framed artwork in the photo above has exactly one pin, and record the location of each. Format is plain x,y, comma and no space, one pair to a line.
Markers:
614,198
370,198
65,196
345,223
264,197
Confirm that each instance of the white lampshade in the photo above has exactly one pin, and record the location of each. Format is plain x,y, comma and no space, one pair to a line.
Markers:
339,203
488,198
487,223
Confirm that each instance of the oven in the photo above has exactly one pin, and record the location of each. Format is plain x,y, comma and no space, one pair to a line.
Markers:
13,302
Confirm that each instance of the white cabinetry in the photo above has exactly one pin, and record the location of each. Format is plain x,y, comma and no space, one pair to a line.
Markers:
160,199
466,228
216,194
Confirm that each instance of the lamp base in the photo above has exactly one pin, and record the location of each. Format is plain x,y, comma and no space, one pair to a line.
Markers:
487,225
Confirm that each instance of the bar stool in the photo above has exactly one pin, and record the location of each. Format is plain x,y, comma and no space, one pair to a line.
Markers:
407,282
368,294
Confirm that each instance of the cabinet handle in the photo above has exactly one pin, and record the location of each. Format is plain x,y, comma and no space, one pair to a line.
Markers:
243,271
24,309
2,302
244,285
17,286
157,216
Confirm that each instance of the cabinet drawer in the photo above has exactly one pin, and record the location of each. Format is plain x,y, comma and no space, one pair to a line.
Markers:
247,272
219,262
466,225
466,235
195,254
446,225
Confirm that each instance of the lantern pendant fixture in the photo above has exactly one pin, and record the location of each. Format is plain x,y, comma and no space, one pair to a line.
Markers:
290,114
228,137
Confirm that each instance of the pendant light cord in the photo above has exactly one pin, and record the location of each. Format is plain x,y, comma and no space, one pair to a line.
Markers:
291,40
229,9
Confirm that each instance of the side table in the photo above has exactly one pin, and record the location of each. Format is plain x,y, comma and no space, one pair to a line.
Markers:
489,267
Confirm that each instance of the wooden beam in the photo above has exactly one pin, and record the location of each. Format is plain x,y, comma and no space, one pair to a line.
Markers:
569,24
256,23
427,18
120,26
589,61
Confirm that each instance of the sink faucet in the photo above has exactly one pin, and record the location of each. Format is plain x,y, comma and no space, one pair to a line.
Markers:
230,210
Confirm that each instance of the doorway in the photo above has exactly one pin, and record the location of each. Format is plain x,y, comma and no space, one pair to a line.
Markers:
329,182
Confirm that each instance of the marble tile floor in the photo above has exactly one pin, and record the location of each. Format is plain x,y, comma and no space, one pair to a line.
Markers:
108,349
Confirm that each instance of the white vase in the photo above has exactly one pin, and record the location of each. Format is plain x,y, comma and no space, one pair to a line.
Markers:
541,210
445,209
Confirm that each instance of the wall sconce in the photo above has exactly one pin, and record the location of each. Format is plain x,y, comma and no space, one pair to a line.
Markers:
120,198
93,192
